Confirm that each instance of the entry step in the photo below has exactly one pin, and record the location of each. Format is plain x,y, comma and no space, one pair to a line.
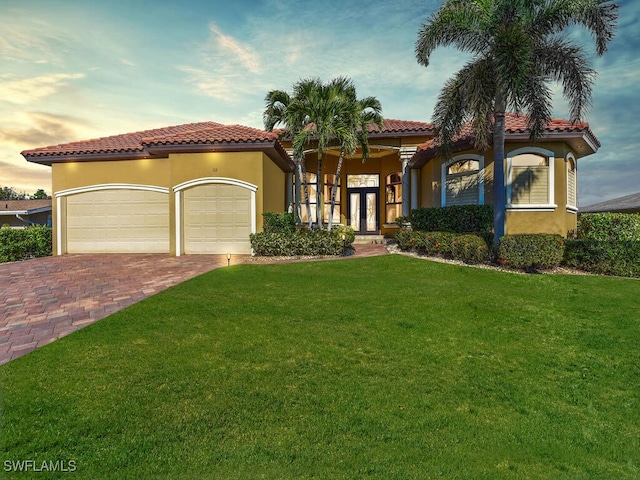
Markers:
371,239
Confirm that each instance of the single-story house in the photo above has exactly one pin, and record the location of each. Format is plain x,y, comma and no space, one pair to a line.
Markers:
22,213
202,187
626,204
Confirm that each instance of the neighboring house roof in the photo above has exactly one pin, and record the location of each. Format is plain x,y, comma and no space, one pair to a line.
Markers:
24,207
628,203
578,135
203,136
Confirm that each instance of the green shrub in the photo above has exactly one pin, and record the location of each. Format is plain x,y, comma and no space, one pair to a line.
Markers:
302,242
456,218
25,243
281,222
531,251
604,257
609,226
470,248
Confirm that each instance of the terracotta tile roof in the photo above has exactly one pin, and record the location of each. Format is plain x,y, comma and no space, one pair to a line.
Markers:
125,143
402,126
214,134
517,124
23,205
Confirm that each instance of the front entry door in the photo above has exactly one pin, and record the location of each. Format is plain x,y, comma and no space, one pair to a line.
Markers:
364,213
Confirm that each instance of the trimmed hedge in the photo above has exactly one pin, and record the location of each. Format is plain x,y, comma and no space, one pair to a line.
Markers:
303,242
531,251
469,248
456,218
607,227
281,222
620,258
25,243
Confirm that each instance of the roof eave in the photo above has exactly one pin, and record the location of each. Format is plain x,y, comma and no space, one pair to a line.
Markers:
49,159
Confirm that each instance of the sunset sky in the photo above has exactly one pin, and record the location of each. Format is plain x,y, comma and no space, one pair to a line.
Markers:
80,69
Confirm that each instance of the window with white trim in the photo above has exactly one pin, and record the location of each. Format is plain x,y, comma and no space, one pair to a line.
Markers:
572,182
530,178
463,181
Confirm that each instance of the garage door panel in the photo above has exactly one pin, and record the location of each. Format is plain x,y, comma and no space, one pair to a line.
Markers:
217,219
118,221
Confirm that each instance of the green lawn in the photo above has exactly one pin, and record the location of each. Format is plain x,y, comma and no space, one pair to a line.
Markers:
388,367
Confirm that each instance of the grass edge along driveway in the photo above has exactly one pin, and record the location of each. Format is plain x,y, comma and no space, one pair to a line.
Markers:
386,367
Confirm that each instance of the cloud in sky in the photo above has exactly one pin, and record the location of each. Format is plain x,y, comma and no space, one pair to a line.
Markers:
27,91
75,70
231,50
41,129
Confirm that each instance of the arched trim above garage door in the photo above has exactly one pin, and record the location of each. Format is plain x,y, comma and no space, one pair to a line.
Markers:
178,189
60,195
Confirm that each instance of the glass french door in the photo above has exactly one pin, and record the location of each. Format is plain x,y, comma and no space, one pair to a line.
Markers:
363,210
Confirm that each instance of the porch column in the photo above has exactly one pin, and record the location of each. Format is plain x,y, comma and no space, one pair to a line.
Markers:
289,195
415,178
405,155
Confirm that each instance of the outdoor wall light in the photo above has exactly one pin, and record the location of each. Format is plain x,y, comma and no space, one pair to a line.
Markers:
228,259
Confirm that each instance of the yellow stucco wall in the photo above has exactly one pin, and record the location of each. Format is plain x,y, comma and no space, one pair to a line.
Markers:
71,175
274,187
561,220
254,167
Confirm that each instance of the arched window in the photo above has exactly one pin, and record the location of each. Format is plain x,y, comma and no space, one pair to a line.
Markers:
463,181
572,183
329,181
530,178
393,197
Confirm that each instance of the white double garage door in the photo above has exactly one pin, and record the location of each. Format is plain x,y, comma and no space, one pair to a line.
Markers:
213,218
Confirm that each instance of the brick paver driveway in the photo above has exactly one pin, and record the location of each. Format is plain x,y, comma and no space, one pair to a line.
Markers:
44,299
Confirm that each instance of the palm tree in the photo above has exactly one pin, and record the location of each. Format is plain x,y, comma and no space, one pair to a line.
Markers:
277,113
354,133
518,47
323,107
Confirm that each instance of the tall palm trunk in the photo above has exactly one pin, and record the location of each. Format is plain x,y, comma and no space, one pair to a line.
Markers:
498,170
305,189
297,202
334,191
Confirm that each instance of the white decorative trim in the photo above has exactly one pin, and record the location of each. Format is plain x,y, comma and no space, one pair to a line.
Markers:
58,224
451,161
110,186
208,181
534,207
550,187
571,156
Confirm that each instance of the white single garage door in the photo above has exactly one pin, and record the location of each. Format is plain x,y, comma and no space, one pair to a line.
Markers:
217,219
118,221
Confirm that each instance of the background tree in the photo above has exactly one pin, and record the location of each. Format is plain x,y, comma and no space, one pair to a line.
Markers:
518,48
9,193
40,195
